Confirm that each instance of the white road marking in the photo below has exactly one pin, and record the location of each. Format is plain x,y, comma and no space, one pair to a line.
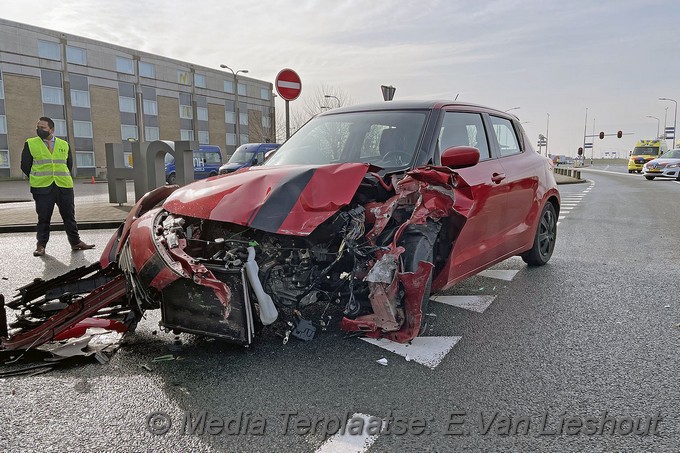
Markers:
562,217
473,303
341,443
428,351
506,275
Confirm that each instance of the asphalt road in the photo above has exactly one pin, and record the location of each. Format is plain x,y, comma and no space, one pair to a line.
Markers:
592,334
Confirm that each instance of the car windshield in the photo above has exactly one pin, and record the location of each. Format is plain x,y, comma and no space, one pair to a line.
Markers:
672,154
388,139
241,156
645,151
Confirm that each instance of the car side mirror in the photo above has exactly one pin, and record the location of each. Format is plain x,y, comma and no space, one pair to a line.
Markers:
460,157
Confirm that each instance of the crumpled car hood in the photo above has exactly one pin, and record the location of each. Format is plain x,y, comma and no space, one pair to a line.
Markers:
290,199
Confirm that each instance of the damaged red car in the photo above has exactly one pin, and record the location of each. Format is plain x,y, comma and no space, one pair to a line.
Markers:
366,209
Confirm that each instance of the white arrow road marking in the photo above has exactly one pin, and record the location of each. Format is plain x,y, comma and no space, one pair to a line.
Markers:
428,351
506,275
341,443
473,303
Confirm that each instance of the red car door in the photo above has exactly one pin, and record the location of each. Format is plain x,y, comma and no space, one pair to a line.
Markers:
480,196
521,167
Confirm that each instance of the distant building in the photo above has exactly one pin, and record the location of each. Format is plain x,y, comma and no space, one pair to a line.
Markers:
99,93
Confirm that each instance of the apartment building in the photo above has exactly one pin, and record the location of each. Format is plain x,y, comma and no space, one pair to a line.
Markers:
99,93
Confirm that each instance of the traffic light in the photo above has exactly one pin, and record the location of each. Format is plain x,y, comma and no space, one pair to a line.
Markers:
580,151
601,135
619,134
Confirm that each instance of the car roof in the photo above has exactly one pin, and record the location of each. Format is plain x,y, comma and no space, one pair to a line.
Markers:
410,105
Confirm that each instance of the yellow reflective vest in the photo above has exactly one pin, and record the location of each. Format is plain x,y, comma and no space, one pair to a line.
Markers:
49,167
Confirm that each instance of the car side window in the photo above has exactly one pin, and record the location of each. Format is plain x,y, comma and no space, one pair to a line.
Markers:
506,136
463,129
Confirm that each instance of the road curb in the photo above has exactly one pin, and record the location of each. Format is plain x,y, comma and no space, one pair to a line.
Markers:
105,225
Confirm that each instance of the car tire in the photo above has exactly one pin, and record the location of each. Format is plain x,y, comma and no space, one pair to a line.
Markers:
677,178
649,178
544,240
171,178
630,171
212,173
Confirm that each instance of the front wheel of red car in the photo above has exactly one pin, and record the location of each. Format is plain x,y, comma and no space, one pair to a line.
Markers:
544,241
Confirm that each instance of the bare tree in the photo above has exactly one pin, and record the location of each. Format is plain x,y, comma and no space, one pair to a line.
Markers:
323,98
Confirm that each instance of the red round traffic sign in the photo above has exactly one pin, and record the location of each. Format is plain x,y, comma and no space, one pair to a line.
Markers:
288,84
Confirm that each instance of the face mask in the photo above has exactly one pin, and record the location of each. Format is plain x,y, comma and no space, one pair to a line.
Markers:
42,133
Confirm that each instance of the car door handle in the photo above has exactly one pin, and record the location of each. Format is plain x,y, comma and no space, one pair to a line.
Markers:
498,177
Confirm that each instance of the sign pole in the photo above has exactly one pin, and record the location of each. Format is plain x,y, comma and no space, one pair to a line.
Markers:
287,120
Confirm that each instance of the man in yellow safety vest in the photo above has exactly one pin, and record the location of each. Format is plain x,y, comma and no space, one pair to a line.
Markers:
47,162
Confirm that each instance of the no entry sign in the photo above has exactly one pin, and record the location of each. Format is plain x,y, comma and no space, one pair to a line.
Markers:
288,84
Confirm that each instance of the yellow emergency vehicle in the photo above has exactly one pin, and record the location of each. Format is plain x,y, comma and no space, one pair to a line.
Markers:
644,151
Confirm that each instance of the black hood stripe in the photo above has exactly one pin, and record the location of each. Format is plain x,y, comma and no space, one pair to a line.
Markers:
284,196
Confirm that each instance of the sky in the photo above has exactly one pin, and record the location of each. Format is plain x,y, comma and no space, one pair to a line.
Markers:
552,59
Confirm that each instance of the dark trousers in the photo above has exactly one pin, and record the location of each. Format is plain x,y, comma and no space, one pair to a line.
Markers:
44,206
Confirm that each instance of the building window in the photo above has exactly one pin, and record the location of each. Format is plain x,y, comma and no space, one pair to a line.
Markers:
82,129
183,77
266,121
244,138
147,70
52,95
243,117
230,117
242,91
185,112
127,104
76,55
202,113
203,137
231,139
186,134
127,131
3,124
84,159
4,158
49,50
228,86
151,134
264,94
2,90
125,65
59,128
199,80
150,107
80,98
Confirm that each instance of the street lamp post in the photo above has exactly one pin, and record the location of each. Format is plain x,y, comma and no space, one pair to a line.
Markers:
328,96
547,128
658,124
675,119
236,108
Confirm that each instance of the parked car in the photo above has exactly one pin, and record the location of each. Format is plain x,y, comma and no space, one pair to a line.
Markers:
207,162
248,155
365,211
666,166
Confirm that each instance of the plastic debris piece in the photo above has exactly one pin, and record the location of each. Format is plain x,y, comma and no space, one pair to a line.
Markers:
101,357
146,367
382,361
667,306
163,358
304,330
